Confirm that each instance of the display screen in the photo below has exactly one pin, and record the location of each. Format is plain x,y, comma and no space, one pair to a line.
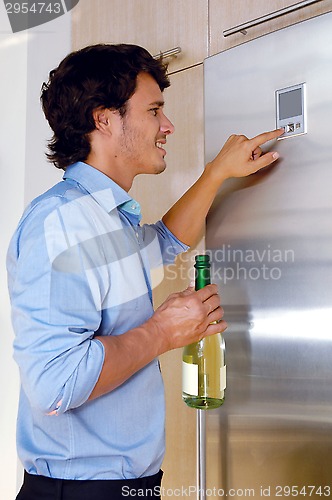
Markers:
290,104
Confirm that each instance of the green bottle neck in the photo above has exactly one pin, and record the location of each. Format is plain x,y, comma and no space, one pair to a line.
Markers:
202,274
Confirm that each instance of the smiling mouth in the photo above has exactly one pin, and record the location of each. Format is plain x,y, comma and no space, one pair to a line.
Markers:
159,145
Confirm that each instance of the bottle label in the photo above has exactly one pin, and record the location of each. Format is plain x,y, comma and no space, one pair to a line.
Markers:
190,378
223,378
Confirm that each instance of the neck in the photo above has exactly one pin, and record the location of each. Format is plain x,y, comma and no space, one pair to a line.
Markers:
110,168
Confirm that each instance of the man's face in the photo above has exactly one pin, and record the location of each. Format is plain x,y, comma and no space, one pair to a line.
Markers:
144,129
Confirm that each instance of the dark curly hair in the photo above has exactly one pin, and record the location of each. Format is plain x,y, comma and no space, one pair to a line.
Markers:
96,76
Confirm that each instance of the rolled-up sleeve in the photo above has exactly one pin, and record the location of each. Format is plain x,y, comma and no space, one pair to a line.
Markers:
159,248
170,246
54,313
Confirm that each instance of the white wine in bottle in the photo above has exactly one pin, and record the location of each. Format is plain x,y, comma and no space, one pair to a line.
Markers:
203,363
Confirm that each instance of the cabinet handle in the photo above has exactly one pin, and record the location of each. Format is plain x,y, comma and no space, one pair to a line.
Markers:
242,28
168,53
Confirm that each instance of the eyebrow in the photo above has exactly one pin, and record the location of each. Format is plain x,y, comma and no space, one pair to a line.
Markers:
157,103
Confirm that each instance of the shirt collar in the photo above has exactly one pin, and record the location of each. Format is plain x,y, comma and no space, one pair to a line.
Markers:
103,189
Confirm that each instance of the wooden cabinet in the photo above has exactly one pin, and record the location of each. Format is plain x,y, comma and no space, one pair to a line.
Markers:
224,15
156,25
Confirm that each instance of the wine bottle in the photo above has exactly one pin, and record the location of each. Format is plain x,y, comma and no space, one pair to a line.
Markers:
203,363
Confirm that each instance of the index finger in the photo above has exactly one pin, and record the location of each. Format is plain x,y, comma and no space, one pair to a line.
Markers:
207,292
265,137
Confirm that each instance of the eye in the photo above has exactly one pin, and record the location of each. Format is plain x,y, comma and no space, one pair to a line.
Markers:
154,111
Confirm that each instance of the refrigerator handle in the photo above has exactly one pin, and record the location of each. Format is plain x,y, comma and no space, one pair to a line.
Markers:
242,28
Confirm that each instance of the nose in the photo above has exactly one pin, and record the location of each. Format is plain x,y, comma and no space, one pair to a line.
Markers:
166,126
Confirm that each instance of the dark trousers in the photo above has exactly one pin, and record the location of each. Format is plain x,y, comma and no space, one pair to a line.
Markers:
46,488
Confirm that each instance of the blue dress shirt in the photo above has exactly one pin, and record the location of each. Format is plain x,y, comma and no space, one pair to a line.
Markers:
81,266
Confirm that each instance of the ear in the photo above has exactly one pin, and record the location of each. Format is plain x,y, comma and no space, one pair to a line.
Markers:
101,119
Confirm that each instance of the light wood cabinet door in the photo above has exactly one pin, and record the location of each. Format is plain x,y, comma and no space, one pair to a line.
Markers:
157,25
185,163
225,14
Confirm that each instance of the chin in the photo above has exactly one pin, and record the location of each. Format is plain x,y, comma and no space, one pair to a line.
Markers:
160,169
153,168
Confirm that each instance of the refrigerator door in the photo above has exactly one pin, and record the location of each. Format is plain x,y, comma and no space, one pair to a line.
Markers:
270,239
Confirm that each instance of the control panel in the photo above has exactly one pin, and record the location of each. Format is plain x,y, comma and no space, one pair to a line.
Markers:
291,110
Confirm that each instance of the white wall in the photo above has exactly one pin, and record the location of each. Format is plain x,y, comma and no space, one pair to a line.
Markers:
25,61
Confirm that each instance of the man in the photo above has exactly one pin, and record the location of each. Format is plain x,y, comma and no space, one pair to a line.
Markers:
91,414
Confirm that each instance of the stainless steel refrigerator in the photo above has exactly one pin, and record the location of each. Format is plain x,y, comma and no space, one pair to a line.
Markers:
270,240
